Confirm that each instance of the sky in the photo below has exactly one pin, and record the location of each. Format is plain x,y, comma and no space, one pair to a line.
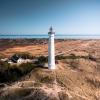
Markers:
36,16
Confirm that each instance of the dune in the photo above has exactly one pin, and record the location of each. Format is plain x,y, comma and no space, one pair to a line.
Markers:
77,76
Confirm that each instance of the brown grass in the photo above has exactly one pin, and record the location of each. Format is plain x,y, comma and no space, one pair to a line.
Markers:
94,82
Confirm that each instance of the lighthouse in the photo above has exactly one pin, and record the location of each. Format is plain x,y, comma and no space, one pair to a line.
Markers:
51,49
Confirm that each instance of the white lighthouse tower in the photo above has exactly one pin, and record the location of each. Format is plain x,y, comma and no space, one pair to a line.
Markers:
51,50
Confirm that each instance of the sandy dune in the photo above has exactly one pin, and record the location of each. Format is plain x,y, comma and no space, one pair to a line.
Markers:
77,79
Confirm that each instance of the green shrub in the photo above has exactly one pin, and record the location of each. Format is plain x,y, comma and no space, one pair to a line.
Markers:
26,67
41,61
47,79
4,65
13,72
73,56
60,57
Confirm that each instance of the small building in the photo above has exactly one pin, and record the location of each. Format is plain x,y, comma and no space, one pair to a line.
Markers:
14,58
20,60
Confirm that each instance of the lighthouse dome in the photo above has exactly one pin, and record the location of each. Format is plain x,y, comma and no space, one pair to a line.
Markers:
51,31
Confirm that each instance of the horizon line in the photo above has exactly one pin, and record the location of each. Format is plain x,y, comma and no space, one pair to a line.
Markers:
47,34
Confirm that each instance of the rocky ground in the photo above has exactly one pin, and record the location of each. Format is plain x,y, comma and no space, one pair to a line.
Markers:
77,76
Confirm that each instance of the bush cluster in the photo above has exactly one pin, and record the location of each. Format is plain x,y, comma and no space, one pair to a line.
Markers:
13,72
41,61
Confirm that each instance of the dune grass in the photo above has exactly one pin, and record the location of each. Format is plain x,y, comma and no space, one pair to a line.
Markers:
94,82
44,76
13,72
73,56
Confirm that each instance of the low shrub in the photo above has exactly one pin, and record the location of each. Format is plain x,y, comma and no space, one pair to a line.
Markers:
24,55
13,72
1,56
37,84
63,96
73,56
41,61
22,92
44,77
26,67
47,79
60,57
10,75
4,66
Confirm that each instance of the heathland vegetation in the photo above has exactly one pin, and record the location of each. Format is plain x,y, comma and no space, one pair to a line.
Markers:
76,76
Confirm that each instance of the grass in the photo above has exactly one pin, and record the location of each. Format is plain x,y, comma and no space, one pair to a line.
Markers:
16,93
44,76
94,82
62,78
2,56
25,94
73,56
74,64
37,84
47,79
73,60
22,92
63,96
4,66
13,72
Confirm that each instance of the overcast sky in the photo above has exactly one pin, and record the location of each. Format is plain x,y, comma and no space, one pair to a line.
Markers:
36,16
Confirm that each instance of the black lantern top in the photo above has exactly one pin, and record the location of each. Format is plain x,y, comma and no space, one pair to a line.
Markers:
51,31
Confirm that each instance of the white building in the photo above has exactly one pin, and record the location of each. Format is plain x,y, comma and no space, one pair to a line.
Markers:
20,61
51,50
